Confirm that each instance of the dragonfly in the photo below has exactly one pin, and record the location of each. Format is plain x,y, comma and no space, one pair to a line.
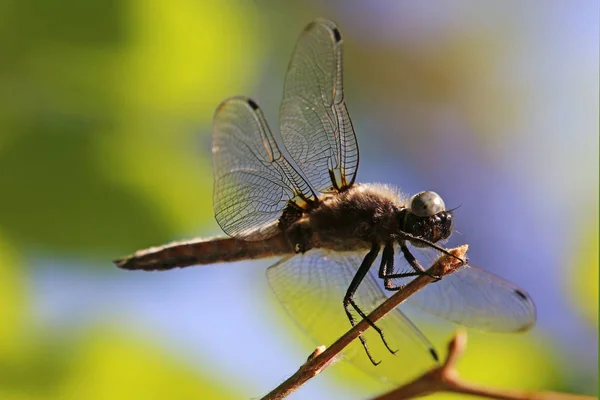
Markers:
343,245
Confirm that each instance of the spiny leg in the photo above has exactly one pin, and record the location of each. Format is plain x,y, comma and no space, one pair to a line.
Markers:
403,236
386,272
414,263
349,301
386,269
358,277
387,261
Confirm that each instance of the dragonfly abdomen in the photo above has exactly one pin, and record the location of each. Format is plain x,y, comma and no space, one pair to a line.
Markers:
204,251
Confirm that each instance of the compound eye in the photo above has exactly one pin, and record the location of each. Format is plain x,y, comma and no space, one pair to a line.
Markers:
426,204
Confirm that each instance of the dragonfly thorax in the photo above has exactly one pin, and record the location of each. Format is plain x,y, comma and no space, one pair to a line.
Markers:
351,220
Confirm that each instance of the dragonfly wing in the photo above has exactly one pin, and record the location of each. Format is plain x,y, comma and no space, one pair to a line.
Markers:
311,288
253,181
315,124
474,298
478,299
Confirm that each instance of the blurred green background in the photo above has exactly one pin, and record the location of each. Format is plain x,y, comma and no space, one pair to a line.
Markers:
105,110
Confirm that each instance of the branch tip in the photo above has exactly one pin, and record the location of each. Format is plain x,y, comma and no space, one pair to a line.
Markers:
456,348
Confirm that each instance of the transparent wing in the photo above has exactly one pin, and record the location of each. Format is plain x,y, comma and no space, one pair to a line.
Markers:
312,286
253,182
314,121
474,298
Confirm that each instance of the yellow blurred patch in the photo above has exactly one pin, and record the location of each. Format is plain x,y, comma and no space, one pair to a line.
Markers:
511,361
13,307
167,170
183,58
186,56
517,361
108,364
583,274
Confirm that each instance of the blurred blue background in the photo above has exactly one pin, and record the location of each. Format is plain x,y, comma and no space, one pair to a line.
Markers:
105,113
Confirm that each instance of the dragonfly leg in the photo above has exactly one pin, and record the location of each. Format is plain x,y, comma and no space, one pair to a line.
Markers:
349,301
403,236
414,263
386,269
386,272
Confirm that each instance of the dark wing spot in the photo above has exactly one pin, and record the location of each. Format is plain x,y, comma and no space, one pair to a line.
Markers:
337,34
521,294
252,104
434,354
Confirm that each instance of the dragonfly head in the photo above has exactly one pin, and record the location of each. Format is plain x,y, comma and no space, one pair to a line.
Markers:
427,218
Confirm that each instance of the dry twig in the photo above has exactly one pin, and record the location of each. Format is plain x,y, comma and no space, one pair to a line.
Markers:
321,359
444,378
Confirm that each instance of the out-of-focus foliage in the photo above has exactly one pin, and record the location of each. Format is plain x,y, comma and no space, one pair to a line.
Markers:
107,364
103,106
13,307
509,361
584,281
101,110
96,363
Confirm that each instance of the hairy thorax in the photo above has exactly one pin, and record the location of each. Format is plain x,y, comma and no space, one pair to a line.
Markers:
351,220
